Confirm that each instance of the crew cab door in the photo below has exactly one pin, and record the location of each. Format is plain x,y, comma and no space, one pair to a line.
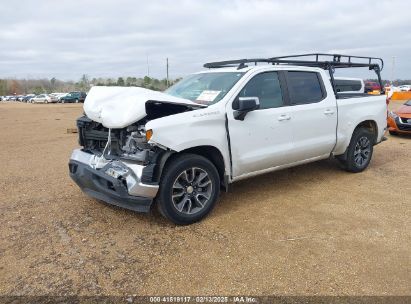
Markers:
264,138
313,114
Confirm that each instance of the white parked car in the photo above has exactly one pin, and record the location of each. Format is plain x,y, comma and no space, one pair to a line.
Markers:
60,96
405,88
42,98
219,126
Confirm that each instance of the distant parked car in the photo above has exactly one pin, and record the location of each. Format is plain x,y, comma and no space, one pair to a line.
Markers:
54,97
399,121
59,95
28,97
405,88
43,98
74,97
371,86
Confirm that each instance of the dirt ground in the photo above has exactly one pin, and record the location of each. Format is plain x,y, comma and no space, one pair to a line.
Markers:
310,230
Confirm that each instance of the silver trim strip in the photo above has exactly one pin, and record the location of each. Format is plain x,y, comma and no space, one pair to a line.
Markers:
133,178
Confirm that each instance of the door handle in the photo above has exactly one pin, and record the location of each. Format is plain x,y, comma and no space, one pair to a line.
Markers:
284,117
329,112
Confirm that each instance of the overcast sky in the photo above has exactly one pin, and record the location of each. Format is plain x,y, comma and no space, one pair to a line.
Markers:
66,39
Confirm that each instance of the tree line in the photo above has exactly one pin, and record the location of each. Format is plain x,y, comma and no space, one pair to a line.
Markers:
40,86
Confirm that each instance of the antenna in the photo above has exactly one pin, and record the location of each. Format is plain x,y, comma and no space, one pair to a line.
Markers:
392,70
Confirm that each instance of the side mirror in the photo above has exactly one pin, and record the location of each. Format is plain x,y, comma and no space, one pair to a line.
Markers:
245,105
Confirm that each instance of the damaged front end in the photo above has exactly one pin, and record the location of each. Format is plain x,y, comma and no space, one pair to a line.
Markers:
118,165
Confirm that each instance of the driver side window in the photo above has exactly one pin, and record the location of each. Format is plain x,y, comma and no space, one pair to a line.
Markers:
265,86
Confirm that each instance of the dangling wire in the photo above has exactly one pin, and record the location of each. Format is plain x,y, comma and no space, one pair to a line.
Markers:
108,144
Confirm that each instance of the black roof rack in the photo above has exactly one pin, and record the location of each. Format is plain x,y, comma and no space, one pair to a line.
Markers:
328,62
318,60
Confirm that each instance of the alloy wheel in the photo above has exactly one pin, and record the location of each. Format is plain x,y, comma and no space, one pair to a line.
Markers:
191,190
362,151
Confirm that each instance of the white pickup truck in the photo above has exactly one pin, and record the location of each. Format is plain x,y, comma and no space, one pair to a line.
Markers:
181,147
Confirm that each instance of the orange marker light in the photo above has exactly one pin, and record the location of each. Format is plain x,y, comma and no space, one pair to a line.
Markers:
149,133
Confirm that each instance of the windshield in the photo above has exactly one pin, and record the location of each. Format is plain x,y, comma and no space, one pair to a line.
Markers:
408,103
205,88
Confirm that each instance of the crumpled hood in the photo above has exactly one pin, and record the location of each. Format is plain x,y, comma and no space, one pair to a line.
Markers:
118,107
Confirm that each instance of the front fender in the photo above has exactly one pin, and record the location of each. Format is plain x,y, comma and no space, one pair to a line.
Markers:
202,127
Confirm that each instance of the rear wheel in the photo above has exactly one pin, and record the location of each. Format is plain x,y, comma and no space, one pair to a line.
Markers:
359,152
189,189
76,100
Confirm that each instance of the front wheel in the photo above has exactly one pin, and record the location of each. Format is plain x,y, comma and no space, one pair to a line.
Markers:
189,189
76,100
359,152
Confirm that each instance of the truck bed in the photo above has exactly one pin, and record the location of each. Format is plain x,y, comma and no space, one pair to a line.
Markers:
353,110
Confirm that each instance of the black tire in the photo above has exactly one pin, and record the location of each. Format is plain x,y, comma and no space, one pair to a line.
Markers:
175,180
359,152
76,101
392,133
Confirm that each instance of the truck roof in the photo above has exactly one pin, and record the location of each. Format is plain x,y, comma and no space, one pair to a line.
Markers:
258,68
323,61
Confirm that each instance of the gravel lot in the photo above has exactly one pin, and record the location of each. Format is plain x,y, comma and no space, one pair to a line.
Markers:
308,230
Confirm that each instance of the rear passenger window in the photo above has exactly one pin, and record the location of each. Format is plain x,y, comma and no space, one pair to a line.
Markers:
304,87
265,86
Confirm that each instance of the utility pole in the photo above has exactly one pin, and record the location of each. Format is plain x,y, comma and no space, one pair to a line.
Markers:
392,70
148,67
168,83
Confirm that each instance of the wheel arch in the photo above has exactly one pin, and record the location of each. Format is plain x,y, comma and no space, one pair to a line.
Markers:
211,153
371,125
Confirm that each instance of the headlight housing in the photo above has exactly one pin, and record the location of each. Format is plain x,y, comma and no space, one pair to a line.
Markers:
392,114
149,133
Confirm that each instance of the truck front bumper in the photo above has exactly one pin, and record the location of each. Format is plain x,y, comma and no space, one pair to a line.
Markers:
114,182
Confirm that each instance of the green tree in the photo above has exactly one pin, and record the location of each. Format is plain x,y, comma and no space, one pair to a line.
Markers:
120,82
38,90
3,87
131,81
53,83
146,81
84,83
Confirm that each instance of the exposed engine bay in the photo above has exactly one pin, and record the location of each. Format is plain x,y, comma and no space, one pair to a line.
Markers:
113,136
126,143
